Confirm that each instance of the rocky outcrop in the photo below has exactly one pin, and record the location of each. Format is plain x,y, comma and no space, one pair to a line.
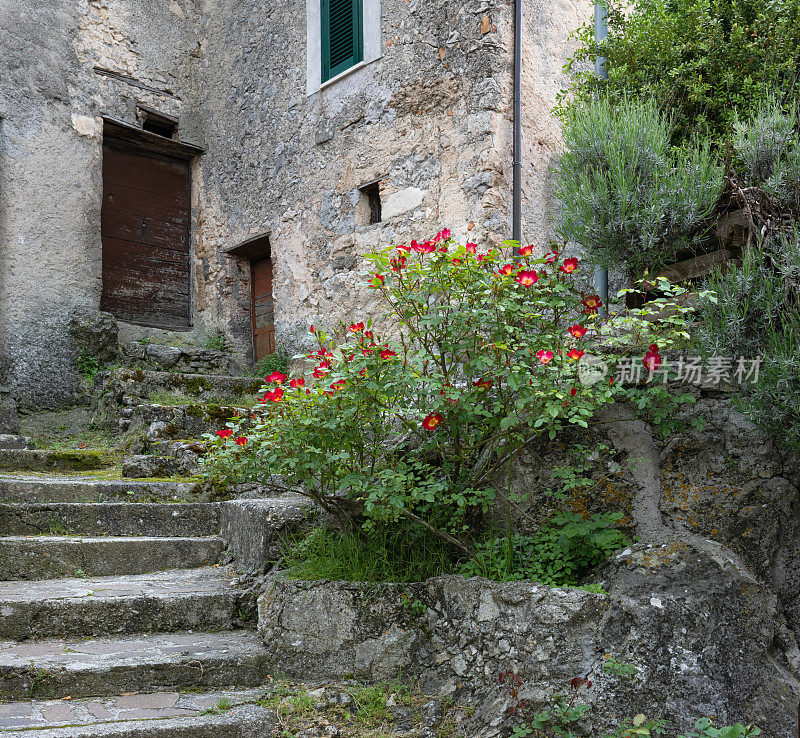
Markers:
702,634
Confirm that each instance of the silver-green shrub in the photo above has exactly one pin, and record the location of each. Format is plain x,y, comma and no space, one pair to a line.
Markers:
627,196
753,311
768,151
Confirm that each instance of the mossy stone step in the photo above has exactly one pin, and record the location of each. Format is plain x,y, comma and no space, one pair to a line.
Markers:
33,489
199,599
155,715
50,459
50,669
110,519
52,557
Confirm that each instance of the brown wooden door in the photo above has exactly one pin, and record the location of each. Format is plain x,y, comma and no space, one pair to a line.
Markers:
263,311
145,233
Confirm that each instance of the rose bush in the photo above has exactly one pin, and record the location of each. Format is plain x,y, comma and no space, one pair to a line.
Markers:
414,417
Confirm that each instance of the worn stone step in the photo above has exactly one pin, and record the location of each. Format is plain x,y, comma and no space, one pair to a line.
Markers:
148,718
9,441
164,422
85,489
50,557
50,459
179,599
54,668
110,519
128,387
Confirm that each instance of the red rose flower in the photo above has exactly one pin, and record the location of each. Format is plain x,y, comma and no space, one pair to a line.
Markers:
356,328
275,396
338,384
312,329
551,258
241,441
577,331
407,249
545,357
379,278
526,250
569,265
369,334
387,354
527,278
320,372
397,264
472,248
506,269
276,377
226,433
432,421
592,303
445,234
456,262
297,383
573,391
575,354
483,383
652,360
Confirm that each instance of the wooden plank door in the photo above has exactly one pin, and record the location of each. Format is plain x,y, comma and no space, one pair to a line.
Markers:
145,234
263,311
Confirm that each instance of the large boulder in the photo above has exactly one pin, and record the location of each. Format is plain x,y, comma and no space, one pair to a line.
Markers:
699,631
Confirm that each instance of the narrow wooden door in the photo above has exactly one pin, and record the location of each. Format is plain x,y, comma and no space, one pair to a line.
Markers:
145,234
263,312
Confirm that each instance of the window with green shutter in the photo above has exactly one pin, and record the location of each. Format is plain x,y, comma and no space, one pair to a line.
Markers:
342,42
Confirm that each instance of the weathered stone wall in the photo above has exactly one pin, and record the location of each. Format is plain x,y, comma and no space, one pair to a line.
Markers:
431,119
701,633
51,100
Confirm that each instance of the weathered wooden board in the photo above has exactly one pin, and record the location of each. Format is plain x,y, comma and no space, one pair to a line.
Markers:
263,309
696,267
145,234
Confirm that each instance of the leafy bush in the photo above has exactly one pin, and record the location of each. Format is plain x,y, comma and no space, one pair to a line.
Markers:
753,312
698,60
560,553
274,362
628,196
478,357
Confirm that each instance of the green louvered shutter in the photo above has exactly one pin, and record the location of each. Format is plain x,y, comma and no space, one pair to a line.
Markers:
342,45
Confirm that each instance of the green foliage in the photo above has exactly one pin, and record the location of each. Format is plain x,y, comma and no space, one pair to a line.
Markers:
380,555
705,729
753,312
698,60
413,419
215,342
659,406
89,366
564,549
628,196
640,725
274,362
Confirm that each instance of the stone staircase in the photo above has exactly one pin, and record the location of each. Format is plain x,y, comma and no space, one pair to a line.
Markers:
118,615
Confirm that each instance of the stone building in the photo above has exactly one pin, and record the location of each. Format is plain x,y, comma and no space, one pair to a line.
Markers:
196,167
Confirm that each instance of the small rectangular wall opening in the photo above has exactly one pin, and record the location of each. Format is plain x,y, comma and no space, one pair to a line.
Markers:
158,123
369,204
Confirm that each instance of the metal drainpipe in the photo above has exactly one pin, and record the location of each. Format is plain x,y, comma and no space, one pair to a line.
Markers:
601,33
516,189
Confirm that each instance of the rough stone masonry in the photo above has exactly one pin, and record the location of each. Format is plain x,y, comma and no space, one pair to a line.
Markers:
426,118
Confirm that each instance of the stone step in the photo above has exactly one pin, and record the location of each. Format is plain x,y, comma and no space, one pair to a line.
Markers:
85,489
142,466
15,442
128,387
110,519
50,669
51,557
50,459
180,599
156,715
165,422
